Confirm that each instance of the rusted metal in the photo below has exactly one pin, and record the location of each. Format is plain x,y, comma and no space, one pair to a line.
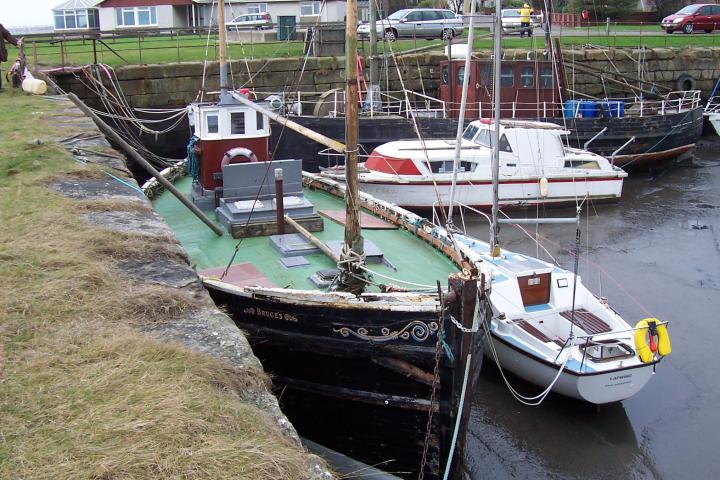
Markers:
279,203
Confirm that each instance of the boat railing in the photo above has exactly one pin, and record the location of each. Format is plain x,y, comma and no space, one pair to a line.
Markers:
712,105
405,103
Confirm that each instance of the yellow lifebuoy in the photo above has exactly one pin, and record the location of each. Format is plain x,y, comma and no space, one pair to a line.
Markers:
644,350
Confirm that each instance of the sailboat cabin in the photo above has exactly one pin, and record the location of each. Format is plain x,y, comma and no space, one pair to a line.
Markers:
529,88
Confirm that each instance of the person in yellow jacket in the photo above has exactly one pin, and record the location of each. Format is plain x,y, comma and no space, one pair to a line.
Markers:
525,13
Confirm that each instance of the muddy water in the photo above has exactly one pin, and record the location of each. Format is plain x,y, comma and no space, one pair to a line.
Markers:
656,253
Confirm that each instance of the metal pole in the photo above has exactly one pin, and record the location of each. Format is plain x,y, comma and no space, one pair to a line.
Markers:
497,57
223,49
112,134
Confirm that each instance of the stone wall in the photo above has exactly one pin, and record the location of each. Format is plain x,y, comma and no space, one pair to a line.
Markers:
178,84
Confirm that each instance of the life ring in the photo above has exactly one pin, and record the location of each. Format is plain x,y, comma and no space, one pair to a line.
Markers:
685,82
646,345
238,153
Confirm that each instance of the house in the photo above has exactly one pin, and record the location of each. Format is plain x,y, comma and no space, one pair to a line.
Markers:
134,14
75,15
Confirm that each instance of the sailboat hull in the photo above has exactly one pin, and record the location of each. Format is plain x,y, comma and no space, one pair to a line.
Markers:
596,387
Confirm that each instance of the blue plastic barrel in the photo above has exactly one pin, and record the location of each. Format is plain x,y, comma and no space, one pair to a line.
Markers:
571,109
614,108
589,109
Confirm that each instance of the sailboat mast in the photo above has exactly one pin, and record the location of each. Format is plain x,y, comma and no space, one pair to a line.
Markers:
351,276
497,61
223,48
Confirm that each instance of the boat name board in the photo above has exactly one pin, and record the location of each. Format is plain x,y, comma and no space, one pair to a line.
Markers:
274,314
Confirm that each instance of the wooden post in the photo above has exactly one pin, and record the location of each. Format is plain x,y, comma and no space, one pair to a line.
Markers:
62,53
279,202
139,48
35,55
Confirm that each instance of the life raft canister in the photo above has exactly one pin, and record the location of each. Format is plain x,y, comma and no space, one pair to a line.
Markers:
646,345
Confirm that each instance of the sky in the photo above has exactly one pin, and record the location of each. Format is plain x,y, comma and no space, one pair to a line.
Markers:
22,13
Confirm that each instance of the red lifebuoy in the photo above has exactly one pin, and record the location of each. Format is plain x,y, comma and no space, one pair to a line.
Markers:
238,155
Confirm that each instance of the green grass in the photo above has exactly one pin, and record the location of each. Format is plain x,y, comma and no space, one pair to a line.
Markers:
194,47
83,393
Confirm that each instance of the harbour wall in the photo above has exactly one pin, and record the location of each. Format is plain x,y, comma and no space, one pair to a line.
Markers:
176,84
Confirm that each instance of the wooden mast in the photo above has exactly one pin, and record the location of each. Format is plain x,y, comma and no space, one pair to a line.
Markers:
351,276
497,61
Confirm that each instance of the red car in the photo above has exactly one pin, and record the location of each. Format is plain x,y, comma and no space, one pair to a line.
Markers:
700,16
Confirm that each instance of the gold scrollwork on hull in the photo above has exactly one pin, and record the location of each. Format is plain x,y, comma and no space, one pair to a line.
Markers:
417,330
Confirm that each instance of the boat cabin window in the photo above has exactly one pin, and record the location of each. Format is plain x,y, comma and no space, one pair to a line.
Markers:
527,76
585,164
605,350
546,77
504,144
212,124
460,75
484,138
237,123
445,75
259,121
470,132
447,167
507,77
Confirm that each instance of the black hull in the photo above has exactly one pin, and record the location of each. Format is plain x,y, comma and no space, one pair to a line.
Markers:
658,138
337,389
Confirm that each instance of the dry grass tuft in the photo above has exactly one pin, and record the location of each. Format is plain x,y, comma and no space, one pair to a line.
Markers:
82,394
112,205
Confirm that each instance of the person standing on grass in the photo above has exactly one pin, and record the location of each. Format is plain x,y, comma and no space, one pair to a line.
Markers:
5,36
525,13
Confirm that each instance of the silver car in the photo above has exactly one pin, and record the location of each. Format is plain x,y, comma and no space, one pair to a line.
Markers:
417,22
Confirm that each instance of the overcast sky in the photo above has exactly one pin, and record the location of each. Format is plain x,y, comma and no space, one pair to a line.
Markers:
21,13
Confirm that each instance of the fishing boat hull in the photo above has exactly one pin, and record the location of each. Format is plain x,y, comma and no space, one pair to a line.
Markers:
658,138
598,387
357,377
518,192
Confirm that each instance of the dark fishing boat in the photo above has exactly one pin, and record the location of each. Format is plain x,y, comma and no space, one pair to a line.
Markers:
365,314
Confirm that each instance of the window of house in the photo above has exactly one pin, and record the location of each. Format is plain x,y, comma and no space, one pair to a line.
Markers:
309,9
257,8
527,76
136,16
76,19
237,123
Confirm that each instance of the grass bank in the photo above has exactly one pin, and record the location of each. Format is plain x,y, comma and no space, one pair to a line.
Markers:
83,392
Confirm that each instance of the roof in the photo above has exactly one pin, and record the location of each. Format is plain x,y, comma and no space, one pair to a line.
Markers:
77,4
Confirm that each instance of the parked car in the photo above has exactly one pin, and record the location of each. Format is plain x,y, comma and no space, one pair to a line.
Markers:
417,22
510,18
258,21
700,16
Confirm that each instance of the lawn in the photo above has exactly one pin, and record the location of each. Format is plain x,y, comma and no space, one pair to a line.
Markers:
157,49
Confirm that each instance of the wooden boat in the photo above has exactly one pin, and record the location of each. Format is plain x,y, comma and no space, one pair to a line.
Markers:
535,168
367,321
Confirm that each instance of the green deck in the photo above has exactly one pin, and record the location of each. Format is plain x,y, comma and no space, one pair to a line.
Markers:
415,260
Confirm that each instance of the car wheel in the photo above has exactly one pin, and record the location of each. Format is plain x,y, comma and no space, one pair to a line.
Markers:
669,30
447,34
688,28
390,35
708,30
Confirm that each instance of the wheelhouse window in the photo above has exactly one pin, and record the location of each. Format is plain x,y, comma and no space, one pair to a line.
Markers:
504,144
80,19
585,164
257,8
211,123
445,75
260,121
484,138
136,16
470,132
237,123
527,76
460,75
546,77
507,77
309,9
486,76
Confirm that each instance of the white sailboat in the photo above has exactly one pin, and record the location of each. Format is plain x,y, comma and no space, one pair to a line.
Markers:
547,327
535,168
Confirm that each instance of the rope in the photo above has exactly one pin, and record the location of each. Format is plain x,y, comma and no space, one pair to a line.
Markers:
192,165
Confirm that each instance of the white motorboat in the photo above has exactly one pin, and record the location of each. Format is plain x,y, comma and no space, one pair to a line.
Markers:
711,112
535,167
550,330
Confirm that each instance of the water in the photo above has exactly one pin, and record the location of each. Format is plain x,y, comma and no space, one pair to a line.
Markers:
656,253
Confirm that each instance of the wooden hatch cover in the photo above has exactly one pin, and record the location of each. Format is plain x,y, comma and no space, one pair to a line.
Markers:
534,289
